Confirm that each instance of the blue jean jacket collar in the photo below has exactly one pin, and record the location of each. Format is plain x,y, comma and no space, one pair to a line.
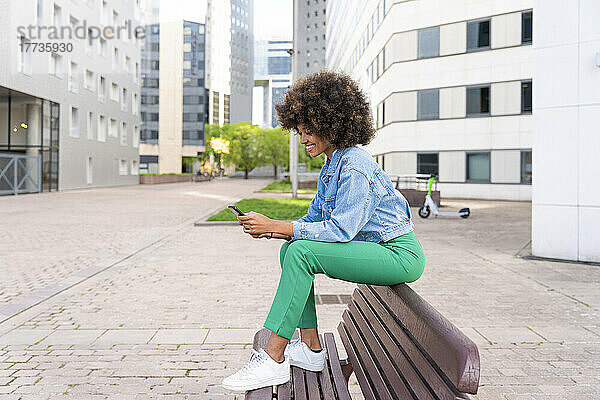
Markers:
333,164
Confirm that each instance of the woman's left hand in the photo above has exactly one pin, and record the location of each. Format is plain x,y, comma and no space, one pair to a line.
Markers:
256,224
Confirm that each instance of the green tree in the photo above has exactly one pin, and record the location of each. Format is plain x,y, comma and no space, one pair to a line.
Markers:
244,149
274,145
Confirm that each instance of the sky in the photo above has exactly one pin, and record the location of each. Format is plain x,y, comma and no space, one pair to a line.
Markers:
273,19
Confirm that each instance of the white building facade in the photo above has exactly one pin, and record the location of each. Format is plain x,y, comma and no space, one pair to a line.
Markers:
566,195
450,87
75,105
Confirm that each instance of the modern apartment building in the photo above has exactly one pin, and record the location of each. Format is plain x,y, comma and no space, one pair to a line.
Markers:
174,100
69,115
242,57
198,68
450,85
309,36
272,77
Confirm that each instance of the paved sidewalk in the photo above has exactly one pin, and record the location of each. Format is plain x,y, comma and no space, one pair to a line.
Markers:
113,293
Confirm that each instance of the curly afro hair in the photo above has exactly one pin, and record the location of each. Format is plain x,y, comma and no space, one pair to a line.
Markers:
330,105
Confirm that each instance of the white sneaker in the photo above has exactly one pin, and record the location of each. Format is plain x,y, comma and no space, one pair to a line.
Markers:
300,355
261,371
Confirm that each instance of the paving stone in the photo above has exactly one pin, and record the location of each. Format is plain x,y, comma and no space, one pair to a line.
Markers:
233,336
187,336
24,336
122,336
78,336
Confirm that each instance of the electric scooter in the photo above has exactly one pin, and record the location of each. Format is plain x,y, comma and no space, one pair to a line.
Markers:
430,206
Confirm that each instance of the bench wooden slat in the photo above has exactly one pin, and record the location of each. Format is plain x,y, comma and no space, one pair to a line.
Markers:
337,377
452,351
284,392
299,384
379,317
359,370
312,383
395,381
325,382
374,374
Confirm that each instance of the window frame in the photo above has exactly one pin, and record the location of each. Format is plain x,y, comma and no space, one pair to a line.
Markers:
483,48
523,181
530,110
421,93
467,154
437,153
523,40
480,114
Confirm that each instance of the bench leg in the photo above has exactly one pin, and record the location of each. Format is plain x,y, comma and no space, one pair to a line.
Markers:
346,369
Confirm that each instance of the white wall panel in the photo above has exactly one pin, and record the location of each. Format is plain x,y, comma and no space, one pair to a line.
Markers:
506,166
453,103
506,30
453,38
506,98
401,47
401,107
401,163
452,166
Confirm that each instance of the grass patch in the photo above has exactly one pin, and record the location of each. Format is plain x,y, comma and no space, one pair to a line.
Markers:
285,209
284,186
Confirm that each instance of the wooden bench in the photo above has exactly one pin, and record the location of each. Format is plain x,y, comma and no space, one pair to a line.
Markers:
398,346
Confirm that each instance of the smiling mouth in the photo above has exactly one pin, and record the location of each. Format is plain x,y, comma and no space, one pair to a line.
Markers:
310,147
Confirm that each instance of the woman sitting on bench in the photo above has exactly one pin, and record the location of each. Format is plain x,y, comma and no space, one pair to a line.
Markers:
358,227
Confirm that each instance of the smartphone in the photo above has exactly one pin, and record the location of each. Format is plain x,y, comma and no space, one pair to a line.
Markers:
235,210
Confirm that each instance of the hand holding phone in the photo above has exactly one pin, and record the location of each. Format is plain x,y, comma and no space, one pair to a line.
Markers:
235,210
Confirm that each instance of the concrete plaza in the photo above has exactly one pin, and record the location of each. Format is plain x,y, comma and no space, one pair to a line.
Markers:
114,293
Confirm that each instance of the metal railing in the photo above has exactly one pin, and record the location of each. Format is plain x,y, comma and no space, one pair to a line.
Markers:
412,181
20,173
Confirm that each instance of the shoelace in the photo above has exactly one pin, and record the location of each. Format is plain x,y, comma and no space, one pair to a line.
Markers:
255,359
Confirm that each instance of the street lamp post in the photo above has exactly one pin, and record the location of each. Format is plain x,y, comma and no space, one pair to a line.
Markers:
293,141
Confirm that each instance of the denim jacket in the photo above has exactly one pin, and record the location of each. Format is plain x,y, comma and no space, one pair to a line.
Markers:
355,200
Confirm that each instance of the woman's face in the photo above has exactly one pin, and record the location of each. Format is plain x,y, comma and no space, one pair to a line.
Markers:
314,144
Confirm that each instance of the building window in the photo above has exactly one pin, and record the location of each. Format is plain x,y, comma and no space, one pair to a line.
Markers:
89,80
478,35
428,104
114,92
124,97
526,27
113,132
102,89
526,164
102,128
56,65
478,167
88,167
427,163
25,56
123,134
526,97
478,101
74,122
116,59
429,42
89,48
122,167
134,167
90,125
215,107
226,109
73,77
103,48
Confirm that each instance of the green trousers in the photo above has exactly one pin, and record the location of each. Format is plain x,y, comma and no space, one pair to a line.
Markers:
386,263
